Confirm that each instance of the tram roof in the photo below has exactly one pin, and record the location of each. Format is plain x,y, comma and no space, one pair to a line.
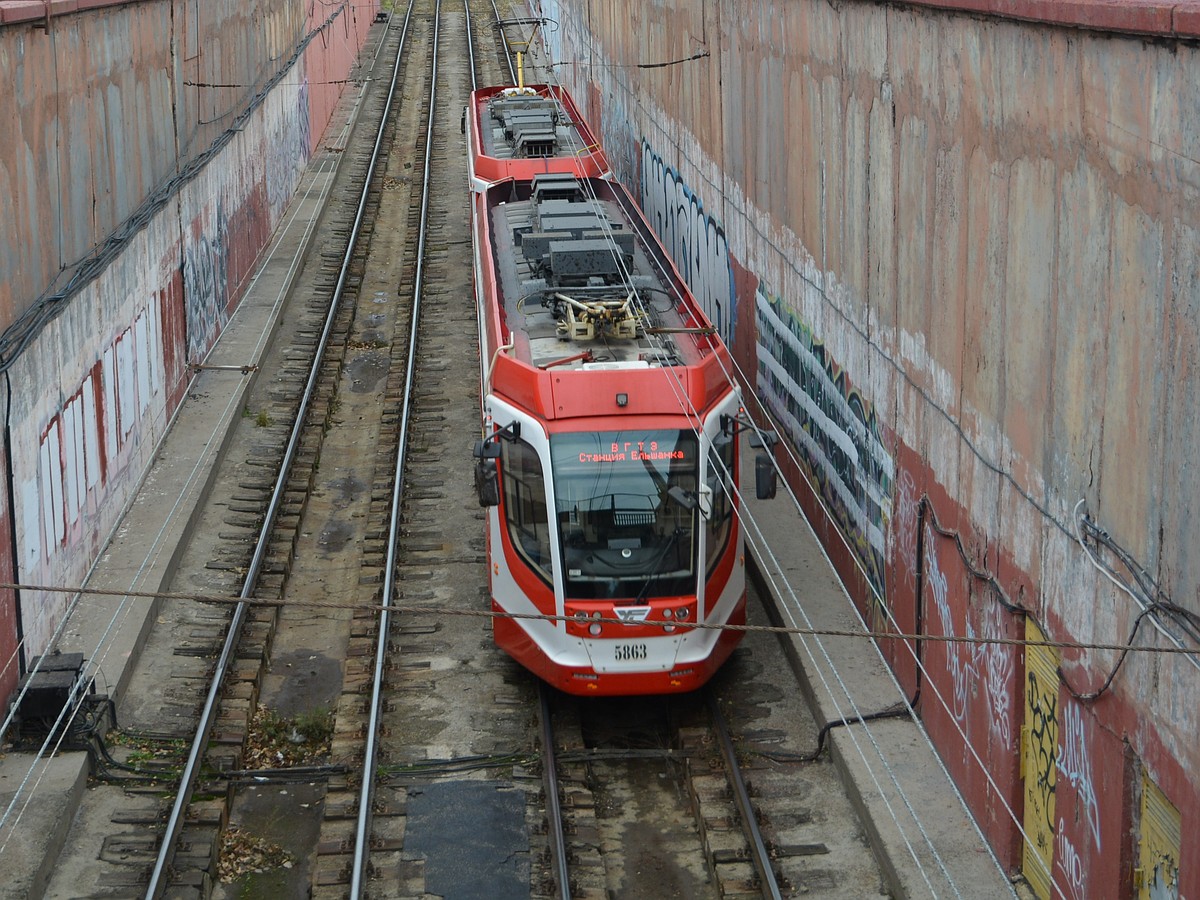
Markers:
585,313
519,132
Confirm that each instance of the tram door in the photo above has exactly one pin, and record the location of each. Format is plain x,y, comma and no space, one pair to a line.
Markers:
1039,760
1157,875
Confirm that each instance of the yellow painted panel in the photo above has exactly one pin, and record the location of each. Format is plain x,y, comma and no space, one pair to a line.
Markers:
1159,847
1038,764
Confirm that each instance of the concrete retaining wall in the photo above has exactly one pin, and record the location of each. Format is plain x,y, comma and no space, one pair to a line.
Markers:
954,246
152,148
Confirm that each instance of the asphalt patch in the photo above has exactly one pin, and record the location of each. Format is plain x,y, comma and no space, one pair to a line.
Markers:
473,838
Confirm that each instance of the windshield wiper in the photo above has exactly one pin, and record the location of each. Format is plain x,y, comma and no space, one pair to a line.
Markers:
657,573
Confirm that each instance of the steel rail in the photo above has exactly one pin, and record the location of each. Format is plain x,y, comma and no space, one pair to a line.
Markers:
758,848
366,796
554,823
191,768
512,73
470,53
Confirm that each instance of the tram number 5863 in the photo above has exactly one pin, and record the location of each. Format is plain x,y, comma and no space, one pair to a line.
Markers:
629,652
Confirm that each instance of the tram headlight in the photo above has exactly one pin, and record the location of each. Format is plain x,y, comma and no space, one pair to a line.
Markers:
683,613
668,613
595,628
668,628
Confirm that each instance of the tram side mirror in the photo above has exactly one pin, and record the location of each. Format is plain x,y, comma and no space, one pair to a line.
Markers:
765,477
487,482
486,450
760,439
731,426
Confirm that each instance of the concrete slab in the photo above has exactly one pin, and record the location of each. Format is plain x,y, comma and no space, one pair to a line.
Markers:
43,798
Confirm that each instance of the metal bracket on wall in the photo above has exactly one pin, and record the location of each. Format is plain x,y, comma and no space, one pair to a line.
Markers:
245,370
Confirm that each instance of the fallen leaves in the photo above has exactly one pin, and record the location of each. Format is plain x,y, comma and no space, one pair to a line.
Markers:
244,854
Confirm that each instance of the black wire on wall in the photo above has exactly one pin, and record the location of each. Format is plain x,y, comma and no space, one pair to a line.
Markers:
1143,588
18,336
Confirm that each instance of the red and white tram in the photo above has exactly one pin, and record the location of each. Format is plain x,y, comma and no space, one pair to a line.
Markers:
610,455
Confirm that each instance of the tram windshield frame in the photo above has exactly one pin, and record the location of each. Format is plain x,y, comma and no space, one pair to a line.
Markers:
624,533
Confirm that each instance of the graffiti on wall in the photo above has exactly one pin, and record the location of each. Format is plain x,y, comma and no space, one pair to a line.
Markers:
84,439
1043,735
997,661
9,647
206,285
287,153
695,239
1075,764
832,426
1067,859
1164,880
963,677
904,527
990,664
1160,842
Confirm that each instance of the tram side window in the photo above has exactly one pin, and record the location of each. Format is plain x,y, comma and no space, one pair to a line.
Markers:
720,480
525,505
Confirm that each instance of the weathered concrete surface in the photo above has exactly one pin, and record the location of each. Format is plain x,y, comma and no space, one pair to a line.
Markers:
957,256
40,799
150,152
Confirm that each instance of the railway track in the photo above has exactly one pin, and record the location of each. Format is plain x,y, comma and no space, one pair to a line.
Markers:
722,793
283,522
328,753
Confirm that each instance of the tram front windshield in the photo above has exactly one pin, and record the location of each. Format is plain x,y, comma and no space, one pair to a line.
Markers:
626,513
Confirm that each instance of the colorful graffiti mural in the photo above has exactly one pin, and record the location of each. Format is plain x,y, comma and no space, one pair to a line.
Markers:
832,426
696,240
